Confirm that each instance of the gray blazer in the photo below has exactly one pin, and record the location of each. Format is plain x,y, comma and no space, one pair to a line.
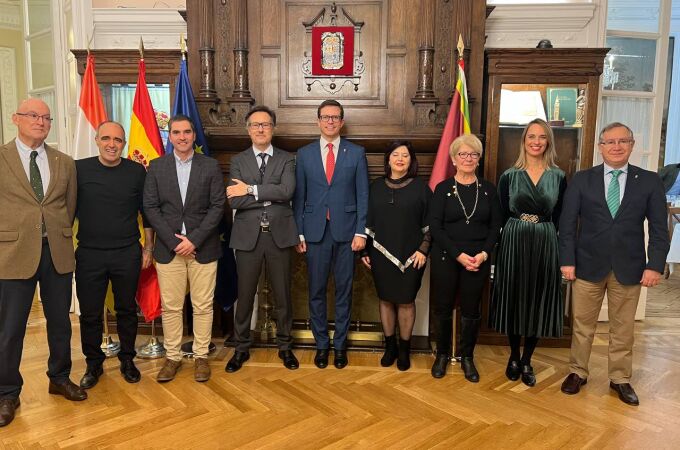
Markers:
201,213
277,187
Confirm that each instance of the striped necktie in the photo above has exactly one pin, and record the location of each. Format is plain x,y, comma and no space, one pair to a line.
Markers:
614,193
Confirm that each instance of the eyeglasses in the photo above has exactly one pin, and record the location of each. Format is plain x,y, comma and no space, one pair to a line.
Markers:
326,118
611,142
264,125
466,155
33,117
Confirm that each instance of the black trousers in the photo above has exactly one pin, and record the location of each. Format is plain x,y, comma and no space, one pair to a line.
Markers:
94,269
16,298
249,265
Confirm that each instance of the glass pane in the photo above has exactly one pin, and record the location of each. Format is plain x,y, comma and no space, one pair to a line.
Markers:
42,74
39,15
636,113
625,15
118,99
629,66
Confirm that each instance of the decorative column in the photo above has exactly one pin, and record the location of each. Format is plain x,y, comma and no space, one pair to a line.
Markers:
241,86
206,50
426,53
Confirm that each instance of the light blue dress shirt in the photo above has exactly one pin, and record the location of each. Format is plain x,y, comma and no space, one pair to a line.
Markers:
183,174
623,176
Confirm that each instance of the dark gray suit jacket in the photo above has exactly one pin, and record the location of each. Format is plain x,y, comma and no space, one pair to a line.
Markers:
277,187
201,213
596,243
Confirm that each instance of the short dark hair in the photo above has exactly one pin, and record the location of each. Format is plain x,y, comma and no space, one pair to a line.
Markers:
262,108
330,103
412,171
181,118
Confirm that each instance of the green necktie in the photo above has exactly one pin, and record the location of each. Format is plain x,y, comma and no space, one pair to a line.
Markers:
36,179
614,193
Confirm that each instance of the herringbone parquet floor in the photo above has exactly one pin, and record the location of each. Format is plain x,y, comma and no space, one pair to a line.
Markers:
362,406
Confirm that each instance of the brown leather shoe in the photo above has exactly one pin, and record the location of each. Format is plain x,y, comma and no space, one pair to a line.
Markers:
626,393
168,371
69,390
7,408
572,384
201,370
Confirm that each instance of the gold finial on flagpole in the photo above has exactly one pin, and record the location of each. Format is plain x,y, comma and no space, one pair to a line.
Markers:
141,47
461,46
183,46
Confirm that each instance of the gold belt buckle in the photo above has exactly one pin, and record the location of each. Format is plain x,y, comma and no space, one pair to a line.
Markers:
533,218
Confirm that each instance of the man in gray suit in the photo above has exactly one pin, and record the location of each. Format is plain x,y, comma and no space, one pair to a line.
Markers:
264,230
184,203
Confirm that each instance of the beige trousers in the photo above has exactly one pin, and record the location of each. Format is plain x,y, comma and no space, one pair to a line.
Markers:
586,305
172,279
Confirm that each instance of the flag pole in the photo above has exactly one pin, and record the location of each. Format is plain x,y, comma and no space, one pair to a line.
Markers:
154,348
109,346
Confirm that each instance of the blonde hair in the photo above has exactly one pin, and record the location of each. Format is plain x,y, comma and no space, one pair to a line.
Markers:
466,139
549,156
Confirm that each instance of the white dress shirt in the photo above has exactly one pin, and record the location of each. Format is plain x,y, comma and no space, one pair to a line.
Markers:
269,152
41,160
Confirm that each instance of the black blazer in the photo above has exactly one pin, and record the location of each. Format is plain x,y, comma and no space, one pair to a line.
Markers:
277,187
201,213
596,243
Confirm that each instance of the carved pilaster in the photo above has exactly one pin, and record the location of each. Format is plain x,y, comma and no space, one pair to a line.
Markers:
206,50
425,90
241,84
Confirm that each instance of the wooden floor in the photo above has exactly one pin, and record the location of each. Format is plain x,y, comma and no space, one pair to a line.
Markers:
362,406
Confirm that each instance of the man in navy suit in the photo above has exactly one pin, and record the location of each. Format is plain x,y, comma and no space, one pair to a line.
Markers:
330,204
602,249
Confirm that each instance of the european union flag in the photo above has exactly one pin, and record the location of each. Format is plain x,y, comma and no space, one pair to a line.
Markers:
185,104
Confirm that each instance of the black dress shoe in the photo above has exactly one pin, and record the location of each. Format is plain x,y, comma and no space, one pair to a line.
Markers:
289,359
626,393
528,376
130,372
321,358
513,370
469,369
69,390
236,361
91,377
340,359
7,408
441,363
572,384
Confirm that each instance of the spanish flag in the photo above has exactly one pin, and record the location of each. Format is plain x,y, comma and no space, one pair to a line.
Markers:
457,123
144,144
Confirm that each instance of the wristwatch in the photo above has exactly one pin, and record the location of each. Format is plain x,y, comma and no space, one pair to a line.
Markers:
249,190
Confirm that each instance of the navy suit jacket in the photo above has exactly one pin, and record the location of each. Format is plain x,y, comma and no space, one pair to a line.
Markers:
346,196
596,243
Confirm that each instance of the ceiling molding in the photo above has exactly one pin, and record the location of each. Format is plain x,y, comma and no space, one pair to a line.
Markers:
10,15
122,27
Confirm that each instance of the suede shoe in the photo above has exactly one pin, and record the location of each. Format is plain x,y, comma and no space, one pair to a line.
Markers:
321,358
290,362
340,359
8,407
572,384
130,372
201,370
69,390
91,376
168,371
236,361
626,393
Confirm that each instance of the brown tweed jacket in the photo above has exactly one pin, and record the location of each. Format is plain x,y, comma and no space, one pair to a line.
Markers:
21,222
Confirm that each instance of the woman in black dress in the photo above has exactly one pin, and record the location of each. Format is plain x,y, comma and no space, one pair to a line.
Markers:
465,220
398,246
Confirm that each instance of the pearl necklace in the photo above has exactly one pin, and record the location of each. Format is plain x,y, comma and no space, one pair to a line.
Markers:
474,208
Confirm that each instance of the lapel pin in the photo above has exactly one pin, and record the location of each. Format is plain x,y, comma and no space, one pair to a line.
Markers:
636,176
448,194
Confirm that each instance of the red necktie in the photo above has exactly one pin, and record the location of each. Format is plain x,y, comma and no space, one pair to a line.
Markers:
330,163
330,167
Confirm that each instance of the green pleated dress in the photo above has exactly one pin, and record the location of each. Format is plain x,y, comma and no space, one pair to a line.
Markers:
527,299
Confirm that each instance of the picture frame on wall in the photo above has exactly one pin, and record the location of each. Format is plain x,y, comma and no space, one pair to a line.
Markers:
561,105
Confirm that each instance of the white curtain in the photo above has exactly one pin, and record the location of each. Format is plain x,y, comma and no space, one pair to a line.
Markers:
673,124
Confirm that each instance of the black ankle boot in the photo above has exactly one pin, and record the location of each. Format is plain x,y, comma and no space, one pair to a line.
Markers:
391,351
404,361
469,369
441,362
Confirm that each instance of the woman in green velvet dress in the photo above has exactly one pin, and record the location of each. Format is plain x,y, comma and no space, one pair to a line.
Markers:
527,299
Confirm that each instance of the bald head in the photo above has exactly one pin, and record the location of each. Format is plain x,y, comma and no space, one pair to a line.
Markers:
33,121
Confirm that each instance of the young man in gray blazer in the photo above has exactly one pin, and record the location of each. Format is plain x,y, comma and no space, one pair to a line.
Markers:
264,230
184,203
